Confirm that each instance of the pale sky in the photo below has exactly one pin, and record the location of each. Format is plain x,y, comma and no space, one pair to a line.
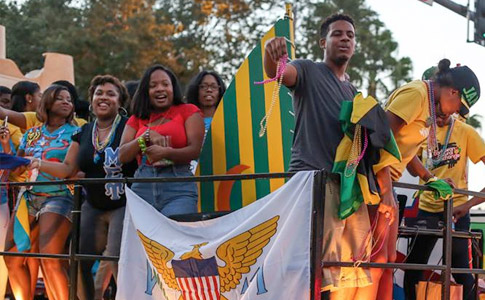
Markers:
429,33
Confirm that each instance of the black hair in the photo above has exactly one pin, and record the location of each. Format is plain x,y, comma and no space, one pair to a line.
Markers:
103,79
19,91
71,89
192,93
140,106
131,87
5,90
333,18
443,76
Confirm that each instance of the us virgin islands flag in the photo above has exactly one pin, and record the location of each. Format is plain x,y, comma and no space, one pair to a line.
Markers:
261,251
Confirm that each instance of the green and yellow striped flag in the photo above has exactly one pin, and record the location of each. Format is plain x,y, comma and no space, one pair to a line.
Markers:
233,145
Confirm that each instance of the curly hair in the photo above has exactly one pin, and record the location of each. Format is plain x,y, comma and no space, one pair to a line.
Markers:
103,79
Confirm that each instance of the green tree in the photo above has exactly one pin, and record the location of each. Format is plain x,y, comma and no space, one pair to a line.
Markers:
123,37
375,65
475,121
36,27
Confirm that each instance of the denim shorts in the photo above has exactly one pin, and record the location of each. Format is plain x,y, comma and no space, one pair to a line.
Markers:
169,198
61,205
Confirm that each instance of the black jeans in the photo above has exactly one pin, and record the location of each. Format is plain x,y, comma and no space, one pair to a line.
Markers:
459,258
100,234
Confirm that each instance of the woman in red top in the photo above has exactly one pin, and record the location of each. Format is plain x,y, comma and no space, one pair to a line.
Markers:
164,135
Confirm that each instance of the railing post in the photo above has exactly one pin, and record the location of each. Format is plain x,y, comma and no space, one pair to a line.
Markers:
74,249
447,244
317,234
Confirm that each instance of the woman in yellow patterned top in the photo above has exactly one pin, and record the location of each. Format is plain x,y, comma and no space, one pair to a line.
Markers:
412,111
457,142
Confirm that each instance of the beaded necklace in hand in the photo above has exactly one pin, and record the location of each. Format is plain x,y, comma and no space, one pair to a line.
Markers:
280,70
98,145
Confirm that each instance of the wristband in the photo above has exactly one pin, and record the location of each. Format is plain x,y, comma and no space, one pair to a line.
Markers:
431,179
142,144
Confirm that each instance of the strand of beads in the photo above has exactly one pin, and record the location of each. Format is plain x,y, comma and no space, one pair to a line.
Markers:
356,154
432,141
280,70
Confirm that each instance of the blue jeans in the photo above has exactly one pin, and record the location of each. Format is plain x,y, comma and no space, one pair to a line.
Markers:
61,205
459,258
169,198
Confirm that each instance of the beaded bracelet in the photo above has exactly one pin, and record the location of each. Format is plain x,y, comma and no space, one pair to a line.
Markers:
142,144
146,136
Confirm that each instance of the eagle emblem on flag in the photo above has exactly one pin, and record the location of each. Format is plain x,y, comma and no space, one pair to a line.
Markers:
202,278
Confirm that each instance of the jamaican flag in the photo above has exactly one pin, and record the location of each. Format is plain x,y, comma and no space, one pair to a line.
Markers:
368,145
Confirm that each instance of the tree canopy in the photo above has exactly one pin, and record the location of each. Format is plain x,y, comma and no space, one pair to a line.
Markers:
375,65
123,37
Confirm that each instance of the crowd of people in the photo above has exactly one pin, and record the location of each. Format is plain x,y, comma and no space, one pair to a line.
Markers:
149,128
160,137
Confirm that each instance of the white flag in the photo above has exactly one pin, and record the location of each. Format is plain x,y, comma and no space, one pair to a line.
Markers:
261,251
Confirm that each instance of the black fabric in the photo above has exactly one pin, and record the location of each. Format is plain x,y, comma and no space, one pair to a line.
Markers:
379,132
103,196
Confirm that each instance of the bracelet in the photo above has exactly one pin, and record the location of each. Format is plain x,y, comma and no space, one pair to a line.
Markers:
142,144
146,136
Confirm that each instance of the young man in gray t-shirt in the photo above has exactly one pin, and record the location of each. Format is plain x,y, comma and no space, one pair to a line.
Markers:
318,91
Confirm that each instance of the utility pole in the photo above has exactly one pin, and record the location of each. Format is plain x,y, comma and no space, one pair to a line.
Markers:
478,16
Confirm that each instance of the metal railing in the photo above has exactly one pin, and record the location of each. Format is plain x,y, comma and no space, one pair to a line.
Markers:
316,228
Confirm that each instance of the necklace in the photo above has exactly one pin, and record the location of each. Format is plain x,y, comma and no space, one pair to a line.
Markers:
432,141
98,145
280,70
159,121
356,152
104,129
432,162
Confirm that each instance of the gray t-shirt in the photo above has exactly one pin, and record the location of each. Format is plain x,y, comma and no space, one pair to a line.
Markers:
317,98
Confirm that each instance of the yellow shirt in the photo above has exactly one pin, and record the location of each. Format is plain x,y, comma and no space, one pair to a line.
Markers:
410,103
464,143
31,120
15,136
